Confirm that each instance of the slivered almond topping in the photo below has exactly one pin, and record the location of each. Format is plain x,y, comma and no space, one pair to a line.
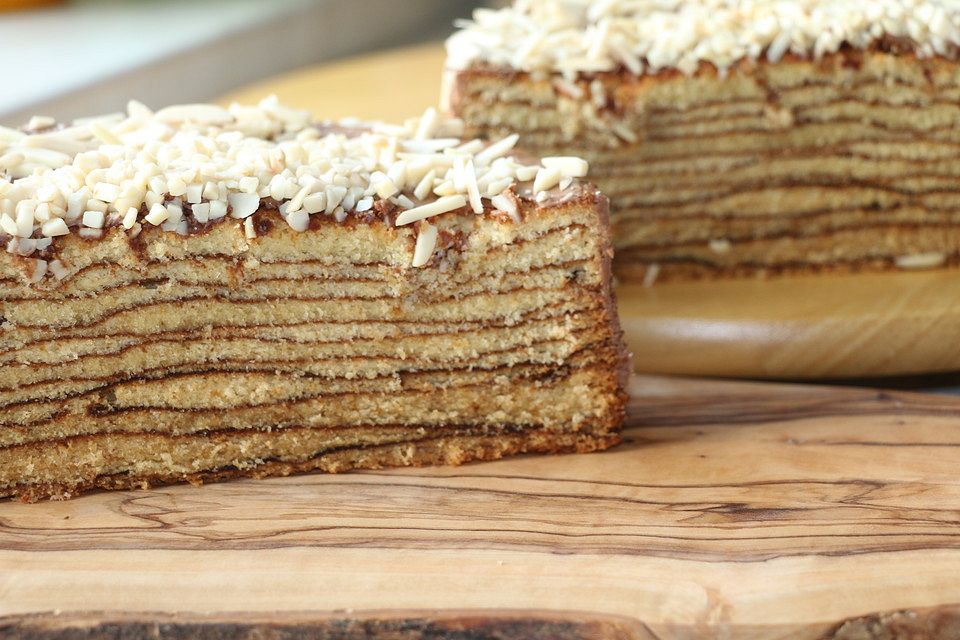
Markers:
298,220
403,202
496,150
364,204
11,159
473,191
201,213
921,260
427,124
547,178
197,113
720,245
40,122
158,214
55,227
93,219
384,186
569,167
243,205
129,218
435,208
575,37
505,203
8,225
24,219
525,174
315,202
623,132
426,243
200,163
651,274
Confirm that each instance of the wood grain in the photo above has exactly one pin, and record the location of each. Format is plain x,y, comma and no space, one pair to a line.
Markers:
824,326
751,509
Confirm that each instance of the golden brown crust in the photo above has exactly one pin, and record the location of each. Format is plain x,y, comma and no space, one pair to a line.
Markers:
624,366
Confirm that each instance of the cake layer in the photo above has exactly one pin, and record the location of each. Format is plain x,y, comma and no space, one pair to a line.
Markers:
265,400
413,407
849,161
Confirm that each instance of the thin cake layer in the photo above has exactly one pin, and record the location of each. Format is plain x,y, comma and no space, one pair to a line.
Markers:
209,352
782,159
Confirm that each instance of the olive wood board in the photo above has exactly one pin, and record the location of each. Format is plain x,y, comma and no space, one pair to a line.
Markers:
811,327
732,510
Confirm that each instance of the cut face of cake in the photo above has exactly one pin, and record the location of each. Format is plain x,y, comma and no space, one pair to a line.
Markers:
199,293
736,136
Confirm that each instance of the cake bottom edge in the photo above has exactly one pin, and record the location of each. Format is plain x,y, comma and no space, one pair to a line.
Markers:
449,450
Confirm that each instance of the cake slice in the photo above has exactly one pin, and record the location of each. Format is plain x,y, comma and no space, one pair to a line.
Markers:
202,293
734,136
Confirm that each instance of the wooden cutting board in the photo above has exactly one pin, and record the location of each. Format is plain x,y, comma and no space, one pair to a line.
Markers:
828,326
733,510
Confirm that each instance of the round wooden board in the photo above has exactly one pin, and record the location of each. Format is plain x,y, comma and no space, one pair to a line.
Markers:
830,326
825,326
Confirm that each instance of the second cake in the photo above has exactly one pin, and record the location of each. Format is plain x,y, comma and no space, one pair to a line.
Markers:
736,137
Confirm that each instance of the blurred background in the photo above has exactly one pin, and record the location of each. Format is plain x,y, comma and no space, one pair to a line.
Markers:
81,57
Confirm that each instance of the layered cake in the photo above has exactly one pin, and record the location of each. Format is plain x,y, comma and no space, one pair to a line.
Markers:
200,293
736,136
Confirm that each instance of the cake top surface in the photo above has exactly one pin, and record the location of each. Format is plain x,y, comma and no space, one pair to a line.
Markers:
187,166
589,36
